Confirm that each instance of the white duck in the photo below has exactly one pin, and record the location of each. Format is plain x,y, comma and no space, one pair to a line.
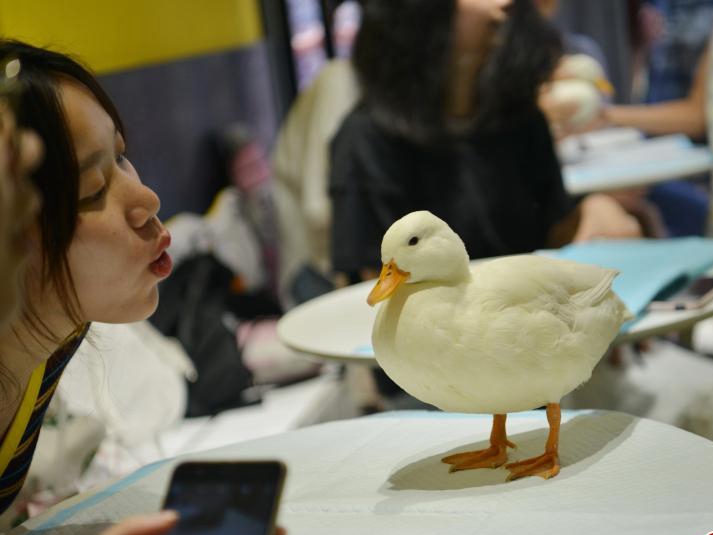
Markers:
509,334
582,82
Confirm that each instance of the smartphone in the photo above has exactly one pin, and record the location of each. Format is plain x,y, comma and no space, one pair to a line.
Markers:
695,295
221,498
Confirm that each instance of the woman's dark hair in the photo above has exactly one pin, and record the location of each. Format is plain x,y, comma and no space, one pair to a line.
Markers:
57,177
403,55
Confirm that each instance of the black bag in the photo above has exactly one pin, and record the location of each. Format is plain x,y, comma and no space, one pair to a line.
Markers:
195,307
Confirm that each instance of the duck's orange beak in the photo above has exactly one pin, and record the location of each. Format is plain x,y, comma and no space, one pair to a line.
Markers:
605,86
391,277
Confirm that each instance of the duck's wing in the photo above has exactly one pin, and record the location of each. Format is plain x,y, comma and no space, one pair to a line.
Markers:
536,282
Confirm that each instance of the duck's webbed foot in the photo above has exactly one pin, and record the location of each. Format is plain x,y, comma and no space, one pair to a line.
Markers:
491,457
546,466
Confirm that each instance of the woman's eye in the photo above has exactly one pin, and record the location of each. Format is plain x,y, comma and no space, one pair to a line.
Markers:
121,158
93,198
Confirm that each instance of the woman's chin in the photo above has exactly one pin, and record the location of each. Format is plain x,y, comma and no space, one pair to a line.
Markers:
148,307
137,311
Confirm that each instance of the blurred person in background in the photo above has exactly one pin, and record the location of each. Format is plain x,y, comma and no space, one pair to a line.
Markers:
674,61
673,38
449,122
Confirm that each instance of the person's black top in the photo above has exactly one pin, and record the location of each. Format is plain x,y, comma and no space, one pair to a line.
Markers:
501,191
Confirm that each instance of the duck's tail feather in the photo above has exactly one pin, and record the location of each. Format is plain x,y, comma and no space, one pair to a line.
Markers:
596,294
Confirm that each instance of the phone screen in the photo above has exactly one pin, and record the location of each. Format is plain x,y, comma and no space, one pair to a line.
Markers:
215,498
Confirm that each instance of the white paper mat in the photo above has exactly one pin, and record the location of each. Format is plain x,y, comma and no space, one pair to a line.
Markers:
383,474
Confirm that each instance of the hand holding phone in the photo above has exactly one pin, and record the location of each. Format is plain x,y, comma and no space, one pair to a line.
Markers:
221,498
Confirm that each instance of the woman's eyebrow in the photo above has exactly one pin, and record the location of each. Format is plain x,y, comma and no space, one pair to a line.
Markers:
90,161
94,158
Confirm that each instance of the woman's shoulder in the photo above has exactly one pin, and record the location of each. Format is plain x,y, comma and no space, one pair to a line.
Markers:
361,135
360,123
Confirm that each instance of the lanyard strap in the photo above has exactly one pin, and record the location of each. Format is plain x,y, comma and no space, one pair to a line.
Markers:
22,417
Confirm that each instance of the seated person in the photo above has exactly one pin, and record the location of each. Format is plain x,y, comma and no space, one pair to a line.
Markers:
678,102
684,205
456,130
90,249
300,170
95,251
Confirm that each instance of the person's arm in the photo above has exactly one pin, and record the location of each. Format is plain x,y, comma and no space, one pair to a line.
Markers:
601,216
687,115
596,216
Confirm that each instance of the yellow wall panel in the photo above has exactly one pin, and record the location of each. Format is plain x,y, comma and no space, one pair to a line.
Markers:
122,34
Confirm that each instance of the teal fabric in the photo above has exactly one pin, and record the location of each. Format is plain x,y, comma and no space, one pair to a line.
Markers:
649,268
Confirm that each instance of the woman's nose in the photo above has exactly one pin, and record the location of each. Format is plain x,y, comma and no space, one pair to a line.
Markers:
145,207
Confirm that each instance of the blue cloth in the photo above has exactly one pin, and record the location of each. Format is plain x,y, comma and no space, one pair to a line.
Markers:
648,267
683,206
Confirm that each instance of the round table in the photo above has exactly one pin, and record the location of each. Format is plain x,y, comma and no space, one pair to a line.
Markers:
337,325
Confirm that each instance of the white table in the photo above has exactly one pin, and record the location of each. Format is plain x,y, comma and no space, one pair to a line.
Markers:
612,160
337,325
383,475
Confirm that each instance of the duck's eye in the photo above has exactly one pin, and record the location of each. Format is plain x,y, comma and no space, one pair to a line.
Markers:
413,241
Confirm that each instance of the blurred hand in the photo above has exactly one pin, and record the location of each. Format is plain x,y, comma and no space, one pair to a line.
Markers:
20,150
601,216
154,524
629,197
559,115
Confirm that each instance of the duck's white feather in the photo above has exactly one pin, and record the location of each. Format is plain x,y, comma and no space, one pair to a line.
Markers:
514,334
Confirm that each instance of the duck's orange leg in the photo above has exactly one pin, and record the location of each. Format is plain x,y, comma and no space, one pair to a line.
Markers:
546,465
492,457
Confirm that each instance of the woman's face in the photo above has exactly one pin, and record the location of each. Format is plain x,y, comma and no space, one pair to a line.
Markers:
476,22
19,153
548,8
117,255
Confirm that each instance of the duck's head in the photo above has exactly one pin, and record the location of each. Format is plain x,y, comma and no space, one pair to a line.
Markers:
419,247
585,67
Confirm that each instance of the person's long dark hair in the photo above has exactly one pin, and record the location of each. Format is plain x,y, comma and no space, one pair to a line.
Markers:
57,177
403,55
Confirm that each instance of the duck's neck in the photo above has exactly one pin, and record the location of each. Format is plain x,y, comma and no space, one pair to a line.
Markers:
460,275
462,271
